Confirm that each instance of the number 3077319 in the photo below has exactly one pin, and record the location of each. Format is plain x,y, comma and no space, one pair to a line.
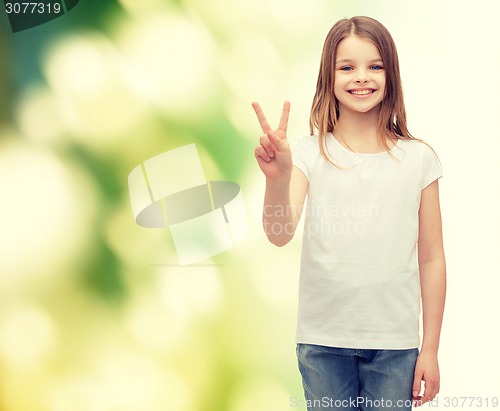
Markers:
33,8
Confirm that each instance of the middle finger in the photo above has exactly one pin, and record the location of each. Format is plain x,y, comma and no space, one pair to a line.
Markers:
261,117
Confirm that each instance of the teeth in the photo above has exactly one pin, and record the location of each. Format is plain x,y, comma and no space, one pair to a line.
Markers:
361,91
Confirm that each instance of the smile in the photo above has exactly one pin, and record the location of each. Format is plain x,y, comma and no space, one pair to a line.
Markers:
362,92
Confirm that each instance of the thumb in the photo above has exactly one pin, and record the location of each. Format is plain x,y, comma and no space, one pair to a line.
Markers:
275,140
417,384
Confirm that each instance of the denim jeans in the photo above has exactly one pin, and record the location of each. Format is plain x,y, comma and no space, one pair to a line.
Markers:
345,379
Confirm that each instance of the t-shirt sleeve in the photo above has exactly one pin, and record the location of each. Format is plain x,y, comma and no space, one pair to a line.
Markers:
303,155
432,169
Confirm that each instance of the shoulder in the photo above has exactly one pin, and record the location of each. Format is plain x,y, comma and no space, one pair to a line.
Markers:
424,159
306,146
308,141
415,142
305,153
417,146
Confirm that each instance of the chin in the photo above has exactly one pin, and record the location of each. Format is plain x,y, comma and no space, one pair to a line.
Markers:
363,109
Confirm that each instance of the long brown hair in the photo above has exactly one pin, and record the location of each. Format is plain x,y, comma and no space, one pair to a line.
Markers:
325,108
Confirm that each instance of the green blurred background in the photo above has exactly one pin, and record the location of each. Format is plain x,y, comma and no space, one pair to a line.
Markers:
95,312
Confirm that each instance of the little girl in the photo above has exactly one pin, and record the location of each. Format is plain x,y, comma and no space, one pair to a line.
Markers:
372,202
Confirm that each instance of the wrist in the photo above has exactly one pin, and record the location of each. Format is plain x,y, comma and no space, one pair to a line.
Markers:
429,350
278,183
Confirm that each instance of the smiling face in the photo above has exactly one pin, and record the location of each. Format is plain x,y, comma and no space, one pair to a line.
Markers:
359,75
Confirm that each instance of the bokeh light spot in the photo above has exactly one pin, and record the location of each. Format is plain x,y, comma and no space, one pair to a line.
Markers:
169,62
28,335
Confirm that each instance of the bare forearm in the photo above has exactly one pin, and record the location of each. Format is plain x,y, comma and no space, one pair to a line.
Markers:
433,285
278,217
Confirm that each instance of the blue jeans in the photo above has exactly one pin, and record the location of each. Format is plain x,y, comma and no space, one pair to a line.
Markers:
345,379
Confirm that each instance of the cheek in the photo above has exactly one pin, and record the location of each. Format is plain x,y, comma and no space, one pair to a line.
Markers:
337,89
382,82
339,86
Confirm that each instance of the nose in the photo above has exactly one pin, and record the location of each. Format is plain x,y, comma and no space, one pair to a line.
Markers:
362,76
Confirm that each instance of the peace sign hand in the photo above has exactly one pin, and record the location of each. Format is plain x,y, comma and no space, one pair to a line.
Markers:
273,153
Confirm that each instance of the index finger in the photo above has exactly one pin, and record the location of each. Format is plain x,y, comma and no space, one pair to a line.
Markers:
261,117
284,116
428,392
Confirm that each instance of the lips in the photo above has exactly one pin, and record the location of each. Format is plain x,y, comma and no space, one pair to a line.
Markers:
362,91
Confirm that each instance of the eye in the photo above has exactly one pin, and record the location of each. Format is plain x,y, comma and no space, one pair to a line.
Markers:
346,68
376,67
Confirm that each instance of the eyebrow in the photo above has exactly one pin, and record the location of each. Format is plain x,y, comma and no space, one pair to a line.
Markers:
350,61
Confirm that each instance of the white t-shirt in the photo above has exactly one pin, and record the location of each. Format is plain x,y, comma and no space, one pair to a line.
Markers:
359,280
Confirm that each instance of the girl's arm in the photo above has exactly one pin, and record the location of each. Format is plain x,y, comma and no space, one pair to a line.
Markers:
432,266
286,186
283,203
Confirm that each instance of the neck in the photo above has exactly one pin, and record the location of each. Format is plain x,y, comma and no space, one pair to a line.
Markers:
358,127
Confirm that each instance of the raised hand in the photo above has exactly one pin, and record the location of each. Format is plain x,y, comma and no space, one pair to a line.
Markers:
273,153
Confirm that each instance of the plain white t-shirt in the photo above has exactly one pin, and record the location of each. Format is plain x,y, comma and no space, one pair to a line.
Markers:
359,281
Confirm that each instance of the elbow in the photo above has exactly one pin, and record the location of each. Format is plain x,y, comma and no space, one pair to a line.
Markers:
280,241
279,234
433,257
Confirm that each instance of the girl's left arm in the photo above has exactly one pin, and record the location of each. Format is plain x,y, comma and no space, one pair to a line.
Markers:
432,267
